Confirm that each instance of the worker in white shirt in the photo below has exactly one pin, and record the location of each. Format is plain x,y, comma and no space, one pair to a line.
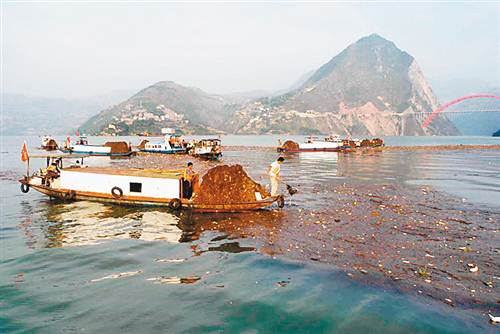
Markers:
274,175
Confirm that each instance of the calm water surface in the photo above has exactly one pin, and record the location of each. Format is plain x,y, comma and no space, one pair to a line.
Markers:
90,267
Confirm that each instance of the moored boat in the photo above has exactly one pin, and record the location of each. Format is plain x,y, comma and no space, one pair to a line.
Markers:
171,144
206,148
152,188
82,146
313,144
332,143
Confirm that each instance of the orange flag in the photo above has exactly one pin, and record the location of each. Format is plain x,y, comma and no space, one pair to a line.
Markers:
24,153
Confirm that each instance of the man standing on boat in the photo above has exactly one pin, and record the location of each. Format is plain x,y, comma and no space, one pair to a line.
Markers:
190,182
274,175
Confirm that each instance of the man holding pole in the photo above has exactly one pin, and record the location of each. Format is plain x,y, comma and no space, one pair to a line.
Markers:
274,175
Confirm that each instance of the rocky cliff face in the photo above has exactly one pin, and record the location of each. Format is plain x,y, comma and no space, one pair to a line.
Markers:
370,88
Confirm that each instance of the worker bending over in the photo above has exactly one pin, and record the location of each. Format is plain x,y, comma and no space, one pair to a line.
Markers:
274,175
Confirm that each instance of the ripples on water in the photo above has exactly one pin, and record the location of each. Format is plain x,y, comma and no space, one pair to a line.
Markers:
92,267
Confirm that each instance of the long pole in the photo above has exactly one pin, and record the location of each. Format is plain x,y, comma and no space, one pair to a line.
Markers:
28,168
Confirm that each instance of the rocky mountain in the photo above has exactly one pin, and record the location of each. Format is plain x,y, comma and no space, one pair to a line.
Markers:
370,88
164,104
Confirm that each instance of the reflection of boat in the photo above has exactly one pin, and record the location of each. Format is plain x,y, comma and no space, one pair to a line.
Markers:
82,146
86,223
49,143
149,187
207,149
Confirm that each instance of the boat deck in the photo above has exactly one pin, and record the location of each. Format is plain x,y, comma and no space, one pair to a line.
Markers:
156,173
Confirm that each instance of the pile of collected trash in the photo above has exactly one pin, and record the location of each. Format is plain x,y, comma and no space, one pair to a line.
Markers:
372,142
118,146
142,144
290,145
228,185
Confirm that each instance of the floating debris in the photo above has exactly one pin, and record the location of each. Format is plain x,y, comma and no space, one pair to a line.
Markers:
494,320
170,260
174,280
119,275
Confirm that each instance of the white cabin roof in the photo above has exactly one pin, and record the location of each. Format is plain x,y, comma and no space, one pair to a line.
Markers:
155,173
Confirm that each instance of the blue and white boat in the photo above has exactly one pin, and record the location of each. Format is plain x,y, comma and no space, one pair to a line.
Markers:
171,144
81,146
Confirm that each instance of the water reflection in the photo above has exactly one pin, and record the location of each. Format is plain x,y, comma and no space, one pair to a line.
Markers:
85,223
53,224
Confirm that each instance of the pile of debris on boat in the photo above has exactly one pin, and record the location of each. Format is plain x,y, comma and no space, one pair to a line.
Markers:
239,187
332,143
49,143
82,146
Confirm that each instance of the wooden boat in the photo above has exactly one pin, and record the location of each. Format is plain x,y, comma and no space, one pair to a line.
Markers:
144,187
49,143
82,146
209,149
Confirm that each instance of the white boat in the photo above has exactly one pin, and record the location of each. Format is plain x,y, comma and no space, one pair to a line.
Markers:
170,144
82,146
207,149
313,144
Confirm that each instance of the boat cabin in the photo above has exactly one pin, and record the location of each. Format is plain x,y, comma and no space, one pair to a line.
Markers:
206,148
170,144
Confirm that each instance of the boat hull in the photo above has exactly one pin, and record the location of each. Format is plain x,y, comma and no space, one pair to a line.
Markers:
93,153
180,151
71,195
324,149
208,156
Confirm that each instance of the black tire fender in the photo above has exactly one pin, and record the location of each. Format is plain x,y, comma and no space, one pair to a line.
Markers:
69,195
280,201
117,192
25,187
175,204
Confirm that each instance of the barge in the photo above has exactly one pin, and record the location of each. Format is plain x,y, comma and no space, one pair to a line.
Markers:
209,149
82,146
151,187
331,143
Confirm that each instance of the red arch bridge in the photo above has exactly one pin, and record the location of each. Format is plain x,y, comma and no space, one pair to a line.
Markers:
489,103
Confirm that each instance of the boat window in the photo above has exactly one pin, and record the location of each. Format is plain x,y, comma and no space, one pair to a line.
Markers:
135,187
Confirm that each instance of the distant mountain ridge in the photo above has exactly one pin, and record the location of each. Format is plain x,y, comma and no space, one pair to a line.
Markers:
164,104
370,88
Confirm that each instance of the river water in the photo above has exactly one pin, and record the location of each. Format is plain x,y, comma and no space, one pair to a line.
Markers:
89,267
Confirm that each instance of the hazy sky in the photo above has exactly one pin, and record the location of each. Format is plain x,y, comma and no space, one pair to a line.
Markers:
76,49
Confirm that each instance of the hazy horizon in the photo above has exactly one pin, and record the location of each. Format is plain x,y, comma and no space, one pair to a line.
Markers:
78,50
